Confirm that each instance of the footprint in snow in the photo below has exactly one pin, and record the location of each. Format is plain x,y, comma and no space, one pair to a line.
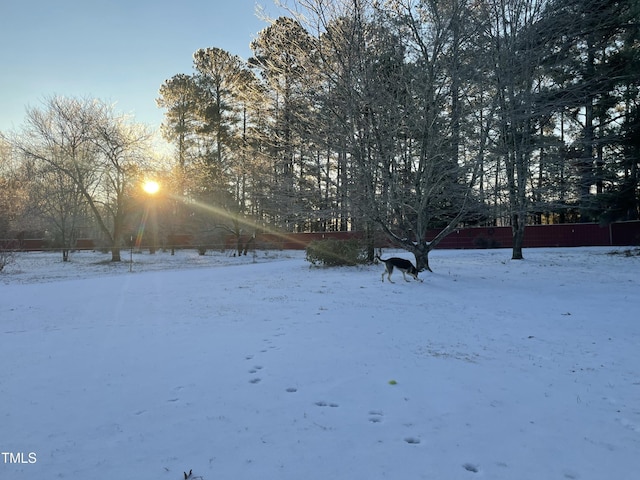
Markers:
375,416
470,467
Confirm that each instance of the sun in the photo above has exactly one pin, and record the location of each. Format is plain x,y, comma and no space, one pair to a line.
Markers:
151,187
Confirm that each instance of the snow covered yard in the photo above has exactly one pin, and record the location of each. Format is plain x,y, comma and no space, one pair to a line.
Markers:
242,368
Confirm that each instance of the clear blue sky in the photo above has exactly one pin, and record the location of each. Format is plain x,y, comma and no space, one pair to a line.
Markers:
118,51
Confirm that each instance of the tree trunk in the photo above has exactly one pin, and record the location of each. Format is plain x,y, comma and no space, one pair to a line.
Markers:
517,229
115,254
420,252
369,241
249,244
422,259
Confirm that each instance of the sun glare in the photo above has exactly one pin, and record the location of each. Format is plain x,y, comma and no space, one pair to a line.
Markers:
151,187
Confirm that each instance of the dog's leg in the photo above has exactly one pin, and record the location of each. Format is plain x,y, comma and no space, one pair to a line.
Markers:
405,277
388,269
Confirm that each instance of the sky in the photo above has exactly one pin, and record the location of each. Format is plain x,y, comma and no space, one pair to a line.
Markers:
118,51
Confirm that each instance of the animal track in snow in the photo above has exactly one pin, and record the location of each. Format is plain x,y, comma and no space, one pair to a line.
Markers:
255,380
291,390
325,404
470,467
375,416
412,440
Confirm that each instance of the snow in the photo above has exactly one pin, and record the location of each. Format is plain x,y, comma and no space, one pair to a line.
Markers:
264,368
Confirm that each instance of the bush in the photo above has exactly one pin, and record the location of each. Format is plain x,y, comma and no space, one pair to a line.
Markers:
334,253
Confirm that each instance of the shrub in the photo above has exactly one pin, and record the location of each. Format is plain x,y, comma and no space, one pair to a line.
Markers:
333,253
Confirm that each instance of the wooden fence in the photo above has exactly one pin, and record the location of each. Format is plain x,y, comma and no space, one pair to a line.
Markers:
561,235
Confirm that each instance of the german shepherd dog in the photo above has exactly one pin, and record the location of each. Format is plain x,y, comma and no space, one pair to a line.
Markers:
405,266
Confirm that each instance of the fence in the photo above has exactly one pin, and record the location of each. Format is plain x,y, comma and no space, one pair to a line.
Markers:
560,235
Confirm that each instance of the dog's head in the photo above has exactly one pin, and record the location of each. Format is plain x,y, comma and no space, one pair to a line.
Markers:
413,271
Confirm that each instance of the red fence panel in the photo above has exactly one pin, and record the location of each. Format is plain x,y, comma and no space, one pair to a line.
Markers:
475,237
567,235
559,235
625,233
85,244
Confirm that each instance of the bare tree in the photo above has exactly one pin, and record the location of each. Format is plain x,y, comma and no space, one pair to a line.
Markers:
55,198
391,81
99,152
12,203
9,206
516,55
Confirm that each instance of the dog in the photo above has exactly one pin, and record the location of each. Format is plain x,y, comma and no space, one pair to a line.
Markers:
405,266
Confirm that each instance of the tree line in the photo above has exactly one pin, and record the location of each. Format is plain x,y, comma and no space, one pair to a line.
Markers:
406,115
